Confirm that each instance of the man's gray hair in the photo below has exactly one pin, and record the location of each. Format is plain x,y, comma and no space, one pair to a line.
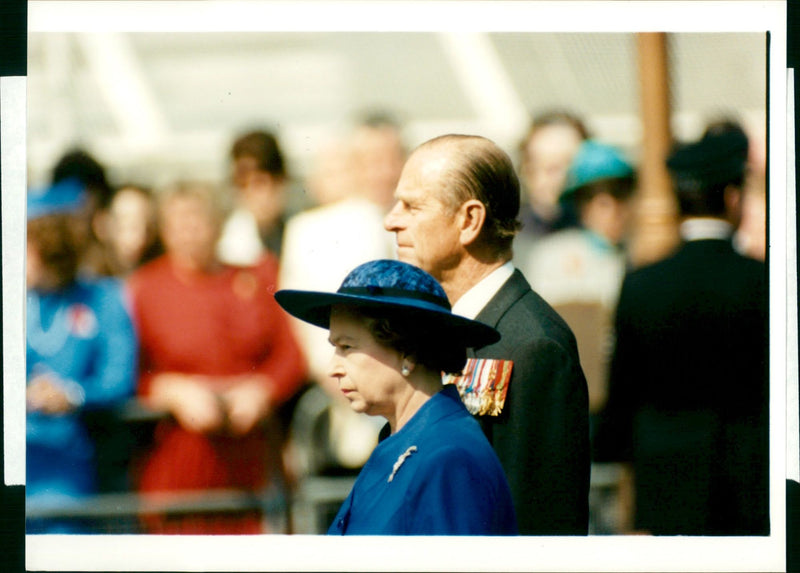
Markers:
481,170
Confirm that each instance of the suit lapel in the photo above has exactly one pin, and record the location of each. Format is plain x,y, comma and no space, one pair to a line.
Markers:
513,289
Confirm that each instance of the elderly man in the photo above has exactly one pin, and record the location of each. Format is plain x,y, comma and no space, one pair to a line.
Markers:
456,215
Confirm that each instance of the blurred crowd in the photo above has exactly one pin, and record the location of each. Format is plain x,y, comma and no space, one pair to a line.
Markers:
161,301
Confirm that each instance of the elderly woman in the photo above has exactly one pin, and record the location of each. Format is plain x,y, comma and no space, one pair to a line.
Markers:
393,335
218,355
80,353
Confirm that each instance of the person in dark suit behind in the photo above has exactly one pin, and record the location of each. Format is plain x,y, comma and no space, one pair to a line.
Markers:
688,394
458,199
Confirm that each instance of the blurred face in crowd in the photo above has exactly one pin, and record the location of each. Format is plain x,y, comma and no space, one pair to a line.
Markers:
426,228
379,156
332,177
34,268
548,154
260,192
368,373
131,227
607,216
55,244
189,229
619,220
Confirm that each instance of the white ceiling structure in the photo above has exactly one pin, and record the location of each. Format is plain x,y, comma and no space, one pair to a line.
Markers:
154,106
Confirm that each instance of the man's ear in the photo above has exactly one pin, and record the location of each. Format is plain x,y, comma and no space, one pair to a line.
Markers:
733,196
471,217
733,203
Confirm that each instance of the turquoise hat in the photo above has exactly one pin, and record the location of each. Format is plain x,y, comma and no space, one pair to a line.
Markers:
66,196
595,161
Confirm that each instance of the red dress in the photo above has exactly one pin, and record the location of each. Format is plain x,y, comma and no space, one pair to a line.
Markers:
221,324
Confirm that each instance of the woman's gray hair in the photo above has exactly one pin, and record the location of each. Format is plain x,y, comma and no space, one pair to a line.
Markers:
407,332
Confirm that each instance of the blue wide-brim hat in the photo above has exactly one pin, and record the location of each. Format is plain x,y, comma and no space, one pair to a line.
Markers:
391,285
595,161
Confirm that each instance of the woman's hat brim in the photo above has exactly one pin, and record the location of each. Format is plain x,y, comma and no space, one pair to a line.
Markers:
315,308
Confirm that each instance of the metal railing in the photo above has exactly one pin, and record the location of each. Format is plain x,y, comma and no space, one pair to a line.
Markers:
305,507
297,508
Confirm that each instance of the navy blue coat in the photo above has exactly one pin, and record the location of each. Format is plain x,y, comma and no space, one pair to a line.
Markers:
436,476
688,392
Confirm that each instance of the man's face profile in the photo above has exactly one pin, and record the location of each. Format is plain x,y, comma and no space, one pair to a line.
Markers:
424,225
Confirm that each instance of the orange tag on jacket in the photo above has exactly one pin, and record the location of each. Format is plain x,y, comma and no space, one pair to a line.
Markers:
483,385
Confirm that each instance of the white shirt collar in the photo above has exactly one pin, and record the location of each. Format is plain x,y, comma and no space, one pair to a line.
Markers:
473,301
699,228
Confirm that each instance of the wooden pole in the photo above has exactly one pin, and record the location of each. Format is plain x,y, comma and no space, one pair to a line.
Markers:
655,223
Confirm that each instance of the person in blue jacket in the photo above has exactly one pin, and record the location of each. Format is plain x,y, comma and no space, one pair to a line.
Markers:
80,354
393,336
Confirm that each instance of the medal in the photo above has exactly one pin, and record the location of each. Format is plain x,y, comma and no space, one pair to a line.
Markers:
483,385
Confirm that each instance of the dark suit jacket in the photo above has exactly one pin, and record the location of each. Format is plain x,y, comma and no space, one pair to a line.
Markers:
688,392
542,435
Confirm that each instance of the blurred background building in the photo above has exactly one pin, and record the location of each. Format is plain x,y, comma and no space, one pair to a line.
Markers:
160,105
154,107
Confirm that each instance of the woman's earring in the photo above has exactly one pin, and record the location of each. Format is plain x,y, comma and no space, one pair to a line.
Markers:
405,371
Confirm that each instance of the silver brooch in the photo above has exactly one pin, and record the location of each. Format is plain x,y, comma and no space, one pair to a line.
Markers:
400,461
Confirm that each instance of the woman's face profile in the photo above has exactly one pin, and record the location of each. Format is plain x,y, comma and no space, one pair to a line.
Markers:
368,373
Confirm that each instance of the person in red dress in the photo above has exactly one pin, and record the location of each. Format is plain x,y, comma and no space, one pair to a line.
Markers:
218,355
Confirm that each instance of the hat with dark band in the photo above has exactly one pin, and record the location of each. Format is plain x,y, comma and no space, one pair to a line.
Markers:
392,285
